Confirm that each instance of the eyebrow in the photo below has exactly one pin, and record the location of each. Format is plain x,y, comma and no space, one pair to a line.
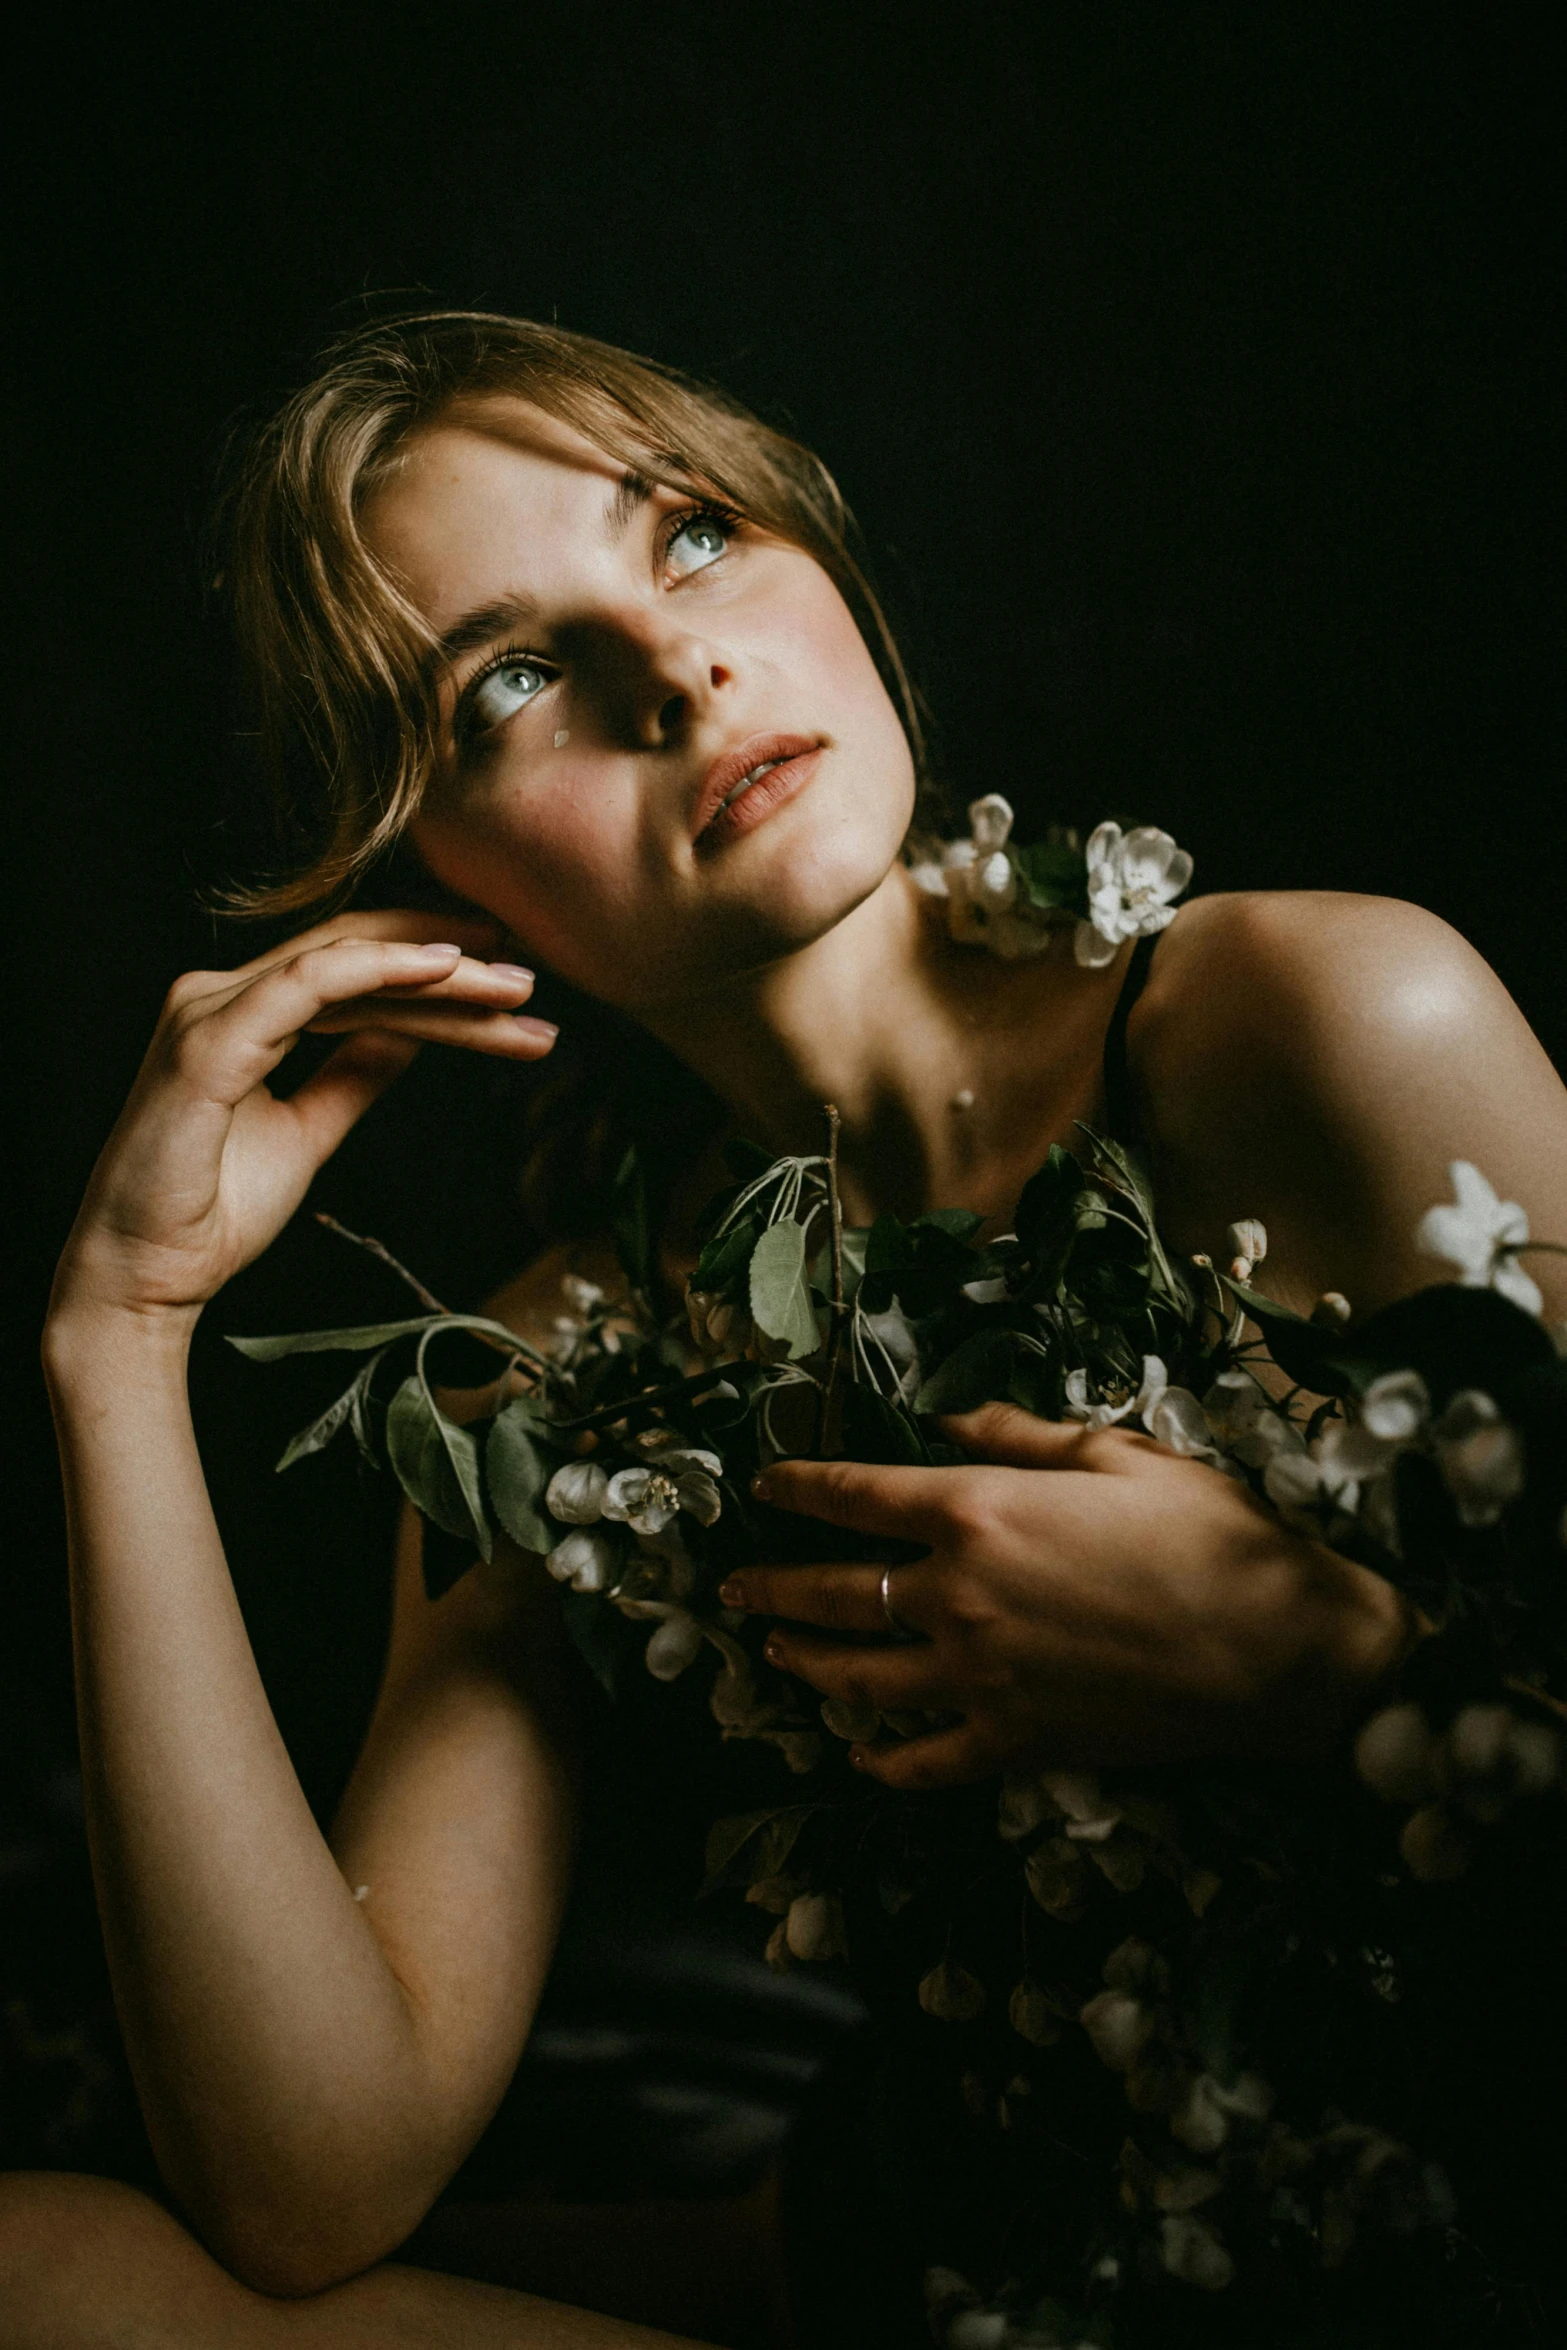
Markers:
632,490
479,626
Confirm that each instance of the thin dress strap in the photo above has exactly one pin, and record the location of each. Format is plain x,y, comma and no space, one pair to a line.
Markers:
1120,1106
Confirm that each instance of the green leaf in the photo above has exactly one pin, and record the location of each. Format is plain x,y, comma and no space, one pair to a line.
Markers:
877,1429
780,1293
958,1224
1454,1337
722,1264
1052,875
1323,1359
516,1470
437,1463
974,1373
631,1225
347,1411
322,1342
771,1834
887,1245
922,1264
1047,1207
376,1334
320,1432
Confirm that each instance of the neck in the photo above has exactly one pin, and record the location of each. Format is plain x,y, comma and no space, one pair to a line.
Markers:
952,1072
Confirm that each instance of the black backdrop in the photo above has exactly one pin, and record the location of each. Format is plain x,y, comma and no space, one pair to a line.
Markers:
1194,372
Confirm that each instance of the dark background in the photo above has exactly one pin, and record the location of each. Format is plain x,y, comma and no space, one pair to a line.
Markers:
1195,373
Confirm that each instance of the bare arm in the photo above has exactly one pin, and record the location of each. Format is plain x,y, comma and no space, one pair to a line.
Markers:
311,2067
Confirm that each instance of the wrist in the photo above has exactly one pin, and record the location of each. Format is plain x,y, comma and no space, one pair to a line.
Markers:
88,1340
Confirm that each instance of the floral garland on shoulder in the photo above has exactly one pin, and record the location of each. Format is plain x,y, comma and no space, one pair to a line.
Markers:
1010,899
1227,1950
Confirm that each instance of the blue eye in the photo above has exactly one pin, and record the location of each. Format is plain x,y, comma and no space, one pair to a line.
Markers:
505,689
700,540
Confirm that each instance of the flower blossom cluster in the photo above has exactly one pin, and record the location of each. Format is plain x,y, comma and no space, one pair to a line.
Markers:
1460,1780
1132,880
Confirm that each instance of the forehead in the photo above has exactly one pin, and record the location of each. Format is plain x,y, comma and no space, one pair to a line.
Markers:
492,493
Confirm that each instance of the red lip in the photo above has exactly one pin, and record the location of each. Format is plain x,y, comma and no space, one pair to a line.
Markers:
792,761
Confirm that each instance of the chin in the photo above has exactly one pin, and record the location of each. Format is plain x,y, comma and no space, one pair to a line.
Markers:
801,889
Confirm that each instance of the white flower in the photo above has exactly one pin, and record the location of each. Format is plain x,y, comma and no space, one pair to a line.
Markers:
1248,1238
848,1719
587,1559
1202,2121
893,1334
1434,1846
1120,2028
1395,1407
1108,1415
1076,1794
1022,1806
647,1499
1132,877
676,1644
1393,1754
1177,1420
1191,2251
814,1927
990,822
1345,1457
1480,1457
1479,1233
575,1494
1244,1420
978,2329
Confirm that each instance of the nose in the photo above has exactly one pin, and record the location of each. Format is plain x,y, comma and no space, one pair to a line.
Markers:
658,682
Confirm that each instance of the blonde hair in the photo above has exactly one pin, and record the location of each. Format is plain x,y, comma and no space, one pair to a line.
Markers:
338,657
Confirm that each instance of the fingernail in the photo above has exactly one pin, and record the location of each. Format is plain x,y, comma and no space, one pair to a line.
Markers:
859,1758
510,971
439,946
545,1029
760,1488
773,1651
732,1593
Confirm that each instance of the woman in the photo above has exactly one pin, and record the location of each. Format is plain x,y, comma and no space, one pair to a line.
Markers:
590,643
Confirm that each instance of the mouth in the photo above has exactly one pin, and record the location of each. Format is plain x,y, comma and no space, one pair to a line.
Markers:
748,783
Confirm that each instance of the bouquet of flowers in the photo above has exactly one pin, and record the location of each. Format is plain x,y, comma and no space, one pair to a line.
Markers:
1178,2002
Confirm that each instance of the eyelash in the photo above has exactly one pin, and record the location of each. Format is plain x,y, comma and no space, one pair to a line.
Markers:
728,518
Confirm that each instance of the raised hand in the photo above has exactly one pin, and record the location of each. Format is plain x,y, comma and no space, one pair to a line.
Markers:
205,1165
1086,1598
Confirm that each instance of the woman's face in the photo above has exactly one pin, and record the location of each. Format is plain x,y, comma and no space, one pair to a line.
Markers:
619,663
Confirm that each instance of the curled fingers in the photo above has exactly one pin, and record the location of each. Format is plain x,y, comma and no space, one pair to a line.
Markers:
226,1044
884,1678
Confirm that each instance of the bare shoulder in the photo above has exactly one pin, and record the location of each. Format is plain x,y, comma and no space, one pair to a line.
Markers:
1322,1058
1263,968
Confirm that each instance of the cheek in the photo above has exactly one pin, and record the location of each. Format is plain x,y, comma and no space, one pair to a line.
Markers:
561,872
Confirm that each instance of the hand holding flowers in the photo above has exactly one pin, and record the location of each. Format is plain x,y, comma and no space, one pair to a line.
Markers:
1123,1555
1086,1596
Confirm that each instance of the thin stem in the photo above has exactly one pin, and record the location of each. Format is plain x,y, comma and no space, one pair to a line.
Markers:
835,1214
376,1248
519,1353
